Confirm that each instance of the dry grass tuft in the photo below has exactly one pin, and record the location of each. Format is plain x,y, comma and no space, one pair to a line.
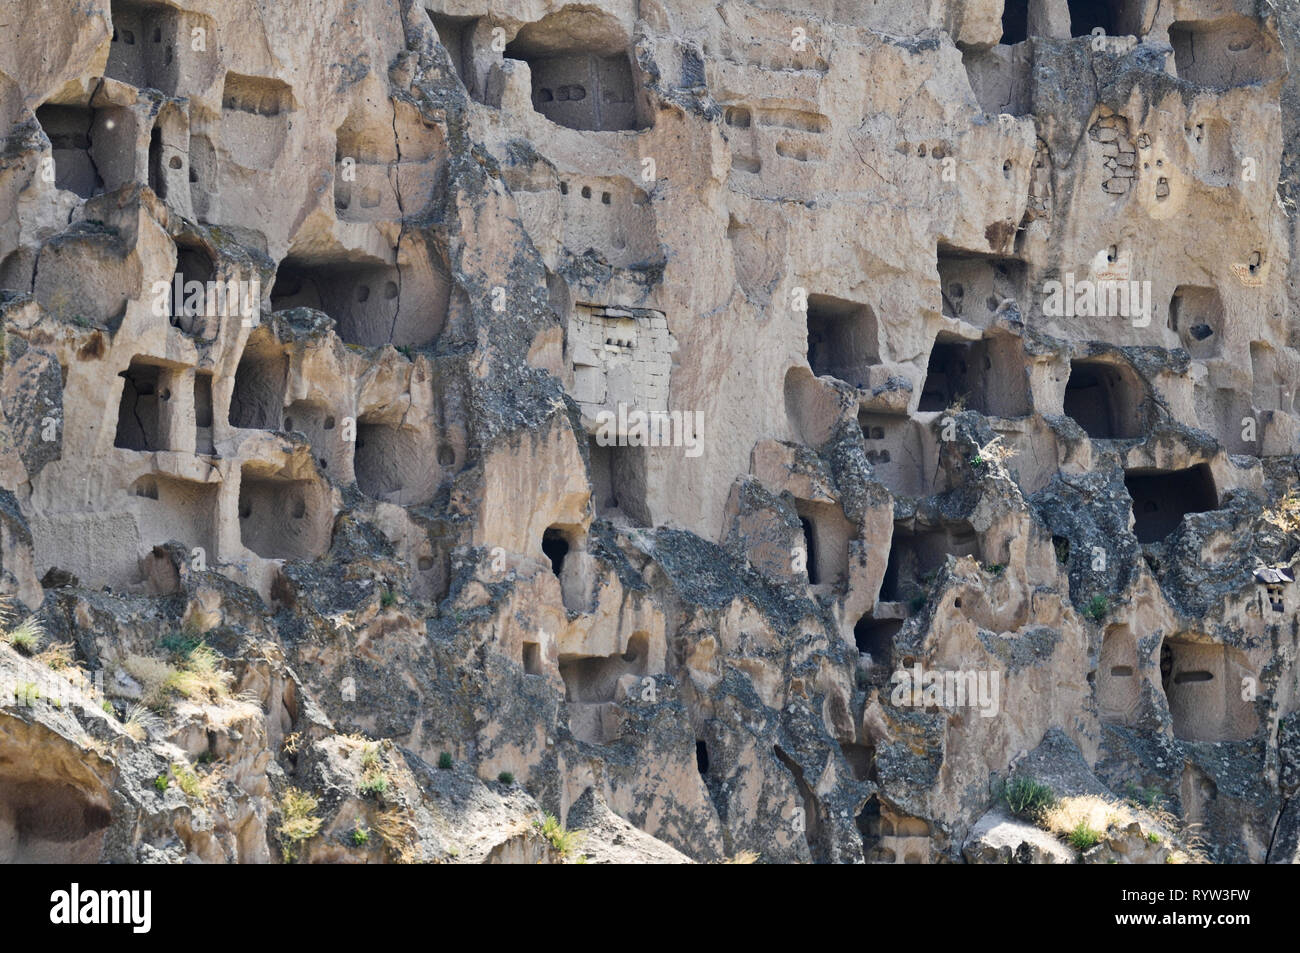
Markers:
154,676
26,636
57,656
1286,514
1065,816
396,829
196,786
139,721
201,677
298,821
374,780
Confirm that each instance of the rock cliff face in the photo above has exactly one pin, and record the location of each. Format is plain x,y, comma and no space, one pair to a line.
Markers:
739,430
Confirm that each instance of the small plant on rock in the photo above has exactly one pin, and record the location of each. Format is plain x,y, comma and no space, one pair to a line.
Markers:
138,721
397,830
1084,837
26,636
1286,514
188,781
180,643
200,676
57,657
1097,608
562,842
298,821
374,781
992,454
1027,797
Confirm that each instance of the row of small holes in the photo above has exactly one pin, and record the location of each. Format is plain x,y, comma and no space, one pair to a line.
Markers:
586,193
574,93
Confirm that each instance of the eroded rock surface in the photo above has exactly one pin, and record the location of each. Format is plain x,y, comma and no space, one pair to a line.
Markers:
330,332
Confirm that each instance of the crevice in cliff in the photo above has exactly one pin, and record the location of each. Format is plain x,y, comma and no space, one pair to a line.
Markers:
811,807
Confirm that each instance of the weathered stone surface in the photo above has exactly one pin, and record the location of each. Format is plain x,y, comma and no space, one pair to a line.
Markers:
998,838
420,417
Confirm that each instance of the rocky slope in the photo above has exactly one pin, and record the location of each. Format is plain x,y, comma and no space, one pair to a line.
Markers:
462,431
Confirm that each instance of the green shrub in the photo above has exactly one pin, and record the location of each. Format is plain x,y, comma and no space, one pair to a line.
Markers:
360,836
1084,837
26,636
162,782
180,643
1149,797
506,777
562,841
388,598
1028,798
374,781
188,781
444,761
1097,608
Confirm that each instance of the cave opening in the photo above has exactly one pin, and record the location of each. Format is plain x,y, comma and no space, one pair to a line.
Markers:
555,546
987,376
257,401
1087,15
875,637
1161,498
842,339
588,87
1015,21
1104,399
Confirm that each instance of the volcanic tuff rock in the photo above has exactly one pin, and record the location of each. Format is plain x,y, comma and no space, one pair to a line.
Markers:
423,416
